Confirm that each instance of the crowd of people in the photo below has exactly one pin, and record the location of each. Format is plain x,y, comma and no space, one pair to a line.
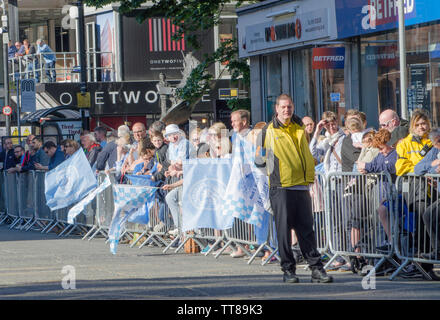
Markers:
27,60
397,147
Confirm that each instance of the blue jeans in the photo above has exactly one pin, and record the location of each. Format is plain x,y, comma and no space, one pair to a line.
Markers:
31,66
172,199
50,71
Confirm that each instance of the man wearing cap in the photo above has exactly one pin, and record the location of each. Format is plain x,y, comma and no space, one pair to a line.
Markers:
179,147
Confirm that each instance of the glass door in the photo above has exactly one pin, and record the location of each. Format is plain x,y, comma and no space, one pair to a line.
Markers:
272,84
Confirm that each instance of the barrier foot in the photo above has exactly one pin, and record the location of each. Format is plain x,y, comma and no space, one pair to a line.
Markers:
426,276
16,220
33,223
26,222
88,233
273,254
216,243
256,252
65,229
48,226
223,249
330,261
403,265
94,234
53,226
146,241
176,239
3,219
138,238
71,230
182,244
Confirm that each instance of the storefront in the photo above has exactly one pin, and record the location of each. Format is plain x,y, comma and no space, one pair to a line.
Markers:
349,60
372,24
281,47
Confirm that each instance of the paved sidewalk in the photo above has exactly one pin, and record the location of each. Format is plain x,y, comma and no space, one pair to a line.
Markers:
31,267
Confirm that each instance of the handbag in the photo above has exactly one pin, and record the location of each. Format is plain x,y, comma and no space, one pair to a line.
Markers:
191,246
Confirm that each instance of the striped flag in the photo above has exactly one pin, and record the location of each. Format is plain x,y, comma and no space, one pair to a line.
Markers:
160,31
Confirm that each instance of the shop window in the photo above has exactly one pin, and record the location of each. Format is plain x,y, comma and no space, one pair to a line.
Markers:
381,71
380,76
272,83
329,63
304,84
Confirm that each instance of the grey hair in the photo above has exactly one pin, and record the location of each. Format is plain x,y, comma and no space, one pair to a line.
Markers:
435,133
91,137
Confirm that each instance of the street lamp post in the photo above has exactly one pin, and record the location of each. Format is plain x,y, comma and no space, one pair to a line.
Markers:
402,60
82,60
5,40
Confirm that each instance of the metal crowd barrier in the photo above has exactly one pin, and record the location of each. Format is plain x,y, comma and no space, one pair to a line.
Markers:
11,194
104,210
3,212
354,215
159,225
354,228
243,234
416,222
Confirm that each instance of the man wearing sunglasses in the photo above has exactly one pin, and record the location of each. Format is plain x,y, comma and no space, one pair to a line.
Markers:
389,120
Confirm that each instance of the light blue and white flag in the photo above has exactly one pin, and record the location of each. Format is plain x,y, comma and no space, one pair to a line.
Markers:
141,180
69,182
128,200
247,193
204,185
141,216
79,207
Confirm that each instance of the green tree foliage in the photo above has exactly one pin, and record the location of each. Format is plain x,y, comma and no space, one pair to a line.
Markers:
193,17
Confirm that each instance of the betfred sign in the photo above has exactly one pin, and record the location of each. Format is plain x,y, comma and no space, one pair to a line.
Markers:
328,58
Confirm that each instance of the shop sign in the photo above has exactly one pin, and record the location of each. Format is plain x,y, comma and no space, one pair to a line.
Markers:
382,56
359,17
328,58
227,93
298,29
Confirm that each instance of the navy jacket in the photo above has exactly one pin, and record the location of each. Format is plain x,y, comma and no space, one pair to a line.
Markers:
383,163
57,158
108,155
8,159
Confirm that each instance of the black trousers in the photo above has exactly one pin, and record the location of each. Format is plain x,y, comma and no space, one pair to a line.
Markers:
293,210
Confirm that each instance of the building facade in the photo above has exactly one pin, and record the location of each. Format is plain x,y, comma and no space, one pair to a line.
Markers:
340,54
124,60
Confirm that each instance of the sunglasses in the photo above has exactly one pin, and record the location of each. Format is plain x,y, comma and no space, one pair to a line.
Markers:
383,125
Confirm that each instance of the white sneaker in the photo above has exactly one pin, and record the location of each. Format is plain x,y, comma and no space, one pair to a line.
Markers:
174,232
160,227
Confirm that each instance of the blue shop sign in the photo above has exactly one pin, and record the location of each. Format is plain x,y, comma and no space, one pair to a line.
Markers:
360,17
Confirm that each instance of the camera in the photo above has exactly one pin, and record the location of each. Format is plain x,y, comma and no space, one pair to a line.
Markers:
425,150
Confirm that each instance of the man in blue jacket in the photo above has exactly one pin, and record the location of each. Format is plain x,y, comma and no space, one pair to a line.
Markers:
49,59
55,154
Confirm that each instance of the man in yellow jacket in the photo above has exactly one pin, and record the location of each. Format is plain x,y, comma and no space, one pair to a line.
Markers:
284,152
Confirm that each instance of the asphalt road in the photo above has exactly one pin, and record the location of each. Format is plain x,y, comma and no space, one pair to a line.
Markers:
36,266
